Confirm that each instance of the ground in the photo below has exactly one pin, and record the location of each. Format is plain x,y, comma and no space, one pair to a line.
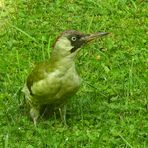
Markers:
110,109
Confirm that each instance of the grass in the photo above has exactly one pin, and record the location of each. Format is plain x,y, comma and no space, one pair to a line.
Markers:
110,109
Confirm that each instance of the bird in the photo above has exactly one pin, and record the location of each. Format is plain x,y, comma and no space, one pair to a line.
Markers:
55,80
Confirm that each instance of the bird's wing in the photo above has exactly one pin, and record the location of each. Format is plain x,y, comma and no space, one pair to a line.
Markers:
36,75
41,83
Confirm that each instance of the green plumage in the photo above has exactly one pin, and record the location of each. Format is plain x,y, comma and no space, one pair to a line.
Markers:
54,81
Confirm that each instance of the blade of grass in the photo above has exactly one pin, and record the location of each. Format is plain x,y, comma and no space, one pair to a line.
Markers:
49,46
25,33
43,52
6,141
18,61
134,4
90,24
125,141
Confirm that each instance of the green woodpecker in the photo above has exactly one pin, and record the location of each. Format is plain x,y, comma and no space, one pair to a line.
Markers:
54,81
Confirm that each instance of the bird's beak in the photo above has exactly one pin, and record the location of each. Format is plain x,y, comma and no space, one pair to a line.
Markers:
89,37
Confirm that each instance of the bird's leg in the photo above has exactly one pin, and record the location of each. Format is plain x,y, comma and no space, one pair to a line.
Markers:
34,113
62,111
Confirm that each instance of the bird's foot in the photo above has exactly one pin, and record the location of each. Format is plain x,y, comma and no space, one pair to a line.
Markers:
62,111
34,113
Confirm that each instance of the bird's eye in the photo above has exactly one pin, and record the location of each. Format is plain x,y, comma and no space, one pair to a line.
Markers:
73,38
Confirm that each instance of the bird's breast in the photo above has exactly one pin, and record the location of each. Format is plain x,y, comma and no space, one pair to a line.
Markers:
57,86
70,83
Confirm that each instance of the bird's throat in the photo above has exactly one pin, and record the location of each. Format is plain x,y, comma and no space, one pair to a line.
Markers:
62,64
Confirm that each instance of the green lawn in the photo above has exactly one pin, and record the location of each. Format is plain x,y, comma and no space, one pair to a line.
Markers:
110,109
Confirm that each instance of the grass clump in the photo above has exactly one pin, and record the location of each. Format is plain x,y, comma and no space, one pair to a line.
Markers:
110,109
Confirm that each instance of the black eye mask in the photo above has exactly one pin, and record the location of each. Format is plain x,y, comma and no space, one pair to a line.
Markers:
76,42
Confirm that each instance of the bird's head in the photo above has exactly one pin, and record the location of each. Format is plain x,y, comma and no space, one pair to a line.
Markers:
70,41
